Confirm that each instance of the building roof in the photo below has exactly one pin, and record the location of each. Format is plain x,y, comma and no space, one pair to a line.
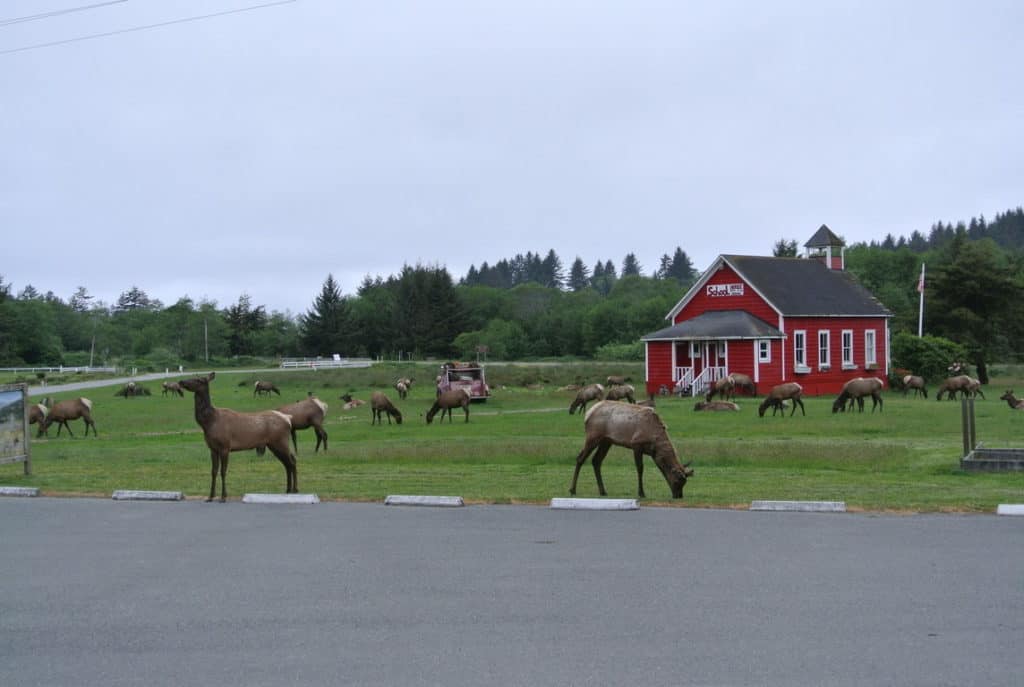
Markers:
718,324
823,238
806,287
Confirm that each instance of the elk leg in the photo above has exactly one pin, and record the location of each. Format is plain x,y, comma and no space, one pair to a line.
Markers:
602,451
214,464
467,412
588,448
320,434
224,476
638,458
92,424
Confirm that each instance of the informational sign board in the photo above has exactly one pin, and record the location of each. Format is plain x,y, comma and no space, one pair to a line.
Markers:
14,437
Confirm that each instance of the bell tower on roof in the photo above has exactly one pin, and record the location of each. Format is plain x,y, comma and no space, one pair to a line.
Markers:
827,247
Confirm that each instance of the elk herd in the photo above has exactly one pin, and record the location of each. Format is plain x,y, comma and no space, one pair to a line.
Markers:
614,418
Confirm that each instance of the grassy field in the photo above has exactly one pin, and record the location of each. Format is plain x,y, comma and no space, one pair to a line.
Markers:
520,447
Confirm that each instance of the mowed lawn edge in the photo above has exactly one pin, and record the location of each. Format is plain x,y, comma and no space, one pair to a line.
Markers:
521,446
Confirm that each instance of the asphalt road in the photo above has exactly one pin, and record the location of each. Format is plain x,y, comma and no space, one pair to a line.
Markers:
97,592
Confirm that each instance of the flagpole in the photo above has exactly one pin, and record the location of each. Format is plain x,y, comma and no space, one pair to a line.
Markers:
920,309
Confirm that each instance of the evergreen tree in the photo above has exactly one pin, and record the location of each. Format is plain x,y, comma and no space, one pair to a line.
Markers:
579,275
29,293
80,300
681,267
324,330
785,248
244,324
630,266
133,299
552,273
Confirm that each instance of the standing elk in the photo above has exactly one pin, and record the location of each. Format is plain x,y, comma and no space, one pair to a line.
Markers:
621,392
172,388
951,385
724,387
402,386
916,383
228,430
262,387
37,413
855,390
790,391
634,427
381,405
309,412
1014,402
446,401
71,409
591,392
614,380
744,382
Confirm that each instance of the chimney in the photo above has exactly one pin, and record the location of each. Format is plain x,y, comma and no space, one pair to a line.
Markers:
827,247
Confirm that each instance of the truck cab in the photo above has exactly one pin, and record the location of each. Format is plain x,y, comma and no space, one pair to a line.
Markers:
468,376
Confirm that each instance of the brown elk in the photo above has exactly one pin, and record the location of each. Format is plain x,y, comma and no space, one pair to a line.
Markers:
351,403
715,405
789,391
402,387
916,383
951,385
446,401
724,387
591,392
172,388
227,430
381,405
37,413
131,390
855,390
1013,401
974,388
637,428
621,392
70,409
744,382
617,380
262,387
309,412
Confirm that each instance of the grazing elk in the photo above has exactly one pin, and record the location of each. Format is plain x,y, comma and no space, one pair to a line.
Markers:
262,387
227,430
744,382
614,380
381,405
591,392
790,391
70,409
172,388
131,390
855,390
951,385
723,387
446,401
637,428
621,392
37,413
1014,402
715,405
309,412
916,383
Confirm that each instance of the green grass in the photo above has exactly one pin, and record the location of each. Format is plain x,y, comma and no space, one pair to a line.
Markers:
520,447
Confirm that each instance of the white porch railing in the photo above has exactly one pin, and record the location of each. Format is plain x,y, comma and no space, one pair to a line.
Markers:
683,377
698,385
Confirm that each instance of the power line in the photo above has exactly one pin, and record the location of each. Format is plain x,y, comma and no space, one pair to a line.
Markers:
56,13
146,27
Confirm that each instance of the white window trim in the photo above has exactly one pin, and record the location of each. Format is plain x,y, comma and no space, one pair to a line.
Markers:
800,335
847,352
870,351
825,362
767,343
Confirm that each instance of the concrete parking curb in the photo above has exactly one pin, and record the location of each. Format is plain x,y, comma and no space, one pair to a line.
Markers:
412,500
136,495
595,504
19,491
281,498
800,506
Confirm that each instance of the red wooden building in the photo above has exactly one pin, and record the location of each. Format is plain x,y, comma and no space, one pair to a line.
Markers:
777,320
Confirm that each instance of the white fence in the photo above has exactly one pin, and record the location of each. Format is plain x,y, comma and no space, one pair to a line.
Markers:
61,370
325,363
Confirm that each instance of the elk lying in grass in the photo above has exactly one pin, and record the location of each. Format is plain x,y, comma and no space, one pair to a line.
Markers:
916,383
790,391
723,387
951,385
172,388
715,406
227,430
591,392
621,392
381,405
70,409
309,412
1013,401
446,401
855,390
262,387
637,428
350,402
131,390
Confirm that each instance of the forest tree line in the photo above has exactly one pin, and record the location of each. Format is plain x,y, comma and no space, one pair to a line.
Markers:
526,306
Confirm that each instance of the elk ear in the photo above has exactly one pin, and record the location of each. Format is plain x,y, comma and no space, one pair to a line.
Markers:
211,375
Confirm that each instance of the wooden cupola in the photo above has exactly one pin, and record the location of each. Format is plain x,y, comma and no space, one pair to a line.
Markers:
827,247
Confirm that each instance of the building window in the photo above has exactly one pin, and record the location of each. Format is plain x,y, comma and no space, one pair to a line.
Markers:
694,350
848,349
823,352
764,351
800,351
870,358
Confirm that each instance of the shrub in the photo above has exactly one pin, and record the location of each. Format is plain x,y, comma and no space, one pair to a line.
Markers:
927,356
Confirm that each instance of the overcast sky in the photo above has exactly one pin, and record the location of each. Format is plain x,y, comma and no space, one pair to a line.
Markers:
256,152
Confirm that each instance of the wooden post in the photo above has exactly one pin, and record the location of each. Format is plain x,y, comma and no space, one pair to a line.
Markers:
970,412
965,427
